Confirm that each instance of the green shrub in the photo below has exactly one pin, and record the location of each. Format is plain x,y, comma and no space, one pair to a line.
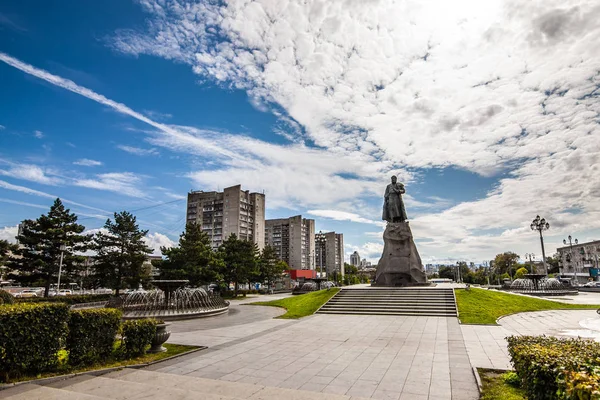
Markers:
551,368
6,298
31,336
77,299
511,378
92,335
137,336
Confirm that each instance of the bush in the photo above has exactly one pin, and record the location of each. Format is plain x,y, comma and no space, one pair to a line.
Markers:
31,336
512,379
77,299
6,298
92,335
553,368
137,336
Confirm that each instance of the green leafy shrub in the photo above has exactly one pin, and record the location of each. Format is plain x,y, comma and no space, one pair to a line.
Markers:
77,299
31,336
92,335
553,368
512,379
137,336
6,298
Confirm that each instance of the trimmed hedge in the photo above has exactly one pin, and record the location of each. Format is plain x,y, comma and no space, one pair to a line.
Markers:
31,336
92,335
6,298
556,368
76,299
137,336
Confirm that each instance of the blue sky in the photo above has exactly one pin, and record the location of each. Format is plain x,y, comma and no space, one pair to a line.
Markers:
488,114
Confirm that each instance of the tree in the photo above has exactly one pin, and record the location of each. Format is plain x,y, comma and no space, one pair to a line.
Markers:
193,259
505,263
269,267
521,273
553,263
446,272
38,256
121,252
350,269
5,248
240,260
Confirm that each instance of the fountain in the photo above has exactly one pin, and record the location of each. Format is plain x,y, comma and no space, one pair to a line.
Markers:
313,285
540,285
172,301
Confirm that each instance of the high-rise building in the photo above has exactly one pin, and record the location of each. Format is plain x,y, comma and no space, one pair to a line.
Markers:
232,211
355,259
293,240
329,254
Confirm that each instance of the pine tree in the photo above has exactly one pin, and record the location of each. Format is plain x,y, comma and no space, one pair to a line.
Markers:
38,255
193,260
121,251
240,260
269,266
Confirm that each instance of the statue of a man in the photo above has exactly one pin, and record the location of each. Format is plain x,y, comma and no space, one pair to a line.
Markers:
393,206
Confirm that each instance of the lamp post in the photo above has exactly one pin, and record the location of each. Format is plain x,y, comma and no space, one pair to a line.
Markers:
570,242
540,225
321,254
63,248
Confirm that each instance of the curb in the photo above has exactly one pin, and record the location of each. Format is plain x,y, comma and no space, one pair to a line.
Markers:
95,372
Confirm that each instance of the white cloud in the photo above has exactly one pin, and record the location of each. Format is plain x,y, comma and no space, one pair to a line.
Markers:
2,127
157,115
155,240
119,182
24,203
31,173
38,134
9,233
138,151
86,162
344,216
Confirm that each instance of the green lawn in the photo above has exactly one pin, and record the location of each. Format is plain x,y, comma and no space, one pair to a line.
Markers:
301,305
494,387
64,368
480,306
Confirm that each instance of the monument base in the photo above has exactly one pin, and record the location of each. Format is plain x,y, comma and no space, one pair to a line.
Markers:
400,263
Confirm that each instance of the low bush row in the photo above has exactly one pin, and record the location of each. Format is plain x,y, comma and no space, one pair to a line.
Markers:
32,334
556,368
75,299
6,298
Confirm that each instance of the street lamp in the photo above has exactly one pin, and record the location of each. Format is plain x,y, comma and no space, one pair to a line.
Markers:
321,253
62,248
570,242
540,225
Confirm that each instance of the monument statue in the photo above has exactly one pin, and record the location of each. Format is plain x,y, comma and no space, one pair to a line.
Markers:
400,263
393,206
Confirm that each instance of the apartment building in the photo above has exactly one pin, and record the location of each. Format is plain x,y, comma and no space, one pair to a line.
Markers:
580,261
355,259
293,239
232,211
329,254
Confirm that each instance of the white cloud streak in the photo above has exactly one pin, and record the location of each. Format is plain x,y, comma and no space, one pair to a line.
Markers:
86,162
138,151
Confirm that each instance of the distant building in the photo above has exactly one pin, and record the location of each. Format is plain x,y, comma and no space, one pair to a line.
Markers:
579,262
293,240
355,259
232,211
365,264
329,253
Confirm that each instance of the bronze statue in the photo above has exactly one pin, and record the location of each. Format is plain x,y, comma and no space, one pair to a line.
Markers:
393,206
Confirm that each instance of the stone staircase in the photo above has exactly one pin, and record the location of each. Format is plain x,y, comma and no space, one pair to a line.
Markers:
426,301
130,384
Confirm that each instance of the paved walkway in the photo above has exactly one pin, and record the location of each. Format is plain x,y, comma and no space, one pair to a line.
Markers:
379,357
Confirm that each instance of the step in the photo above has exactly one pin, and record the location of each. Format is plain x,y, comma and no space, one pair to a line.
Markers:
36,392
399,314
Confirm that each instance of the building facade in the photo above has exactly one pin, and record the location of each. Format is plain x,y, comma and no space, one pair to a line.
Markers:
355,259
329,254
293,240
580,262
232,211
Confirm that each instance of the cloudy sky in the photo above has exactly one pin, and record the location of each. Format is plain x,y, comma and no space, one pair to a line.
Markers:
488,111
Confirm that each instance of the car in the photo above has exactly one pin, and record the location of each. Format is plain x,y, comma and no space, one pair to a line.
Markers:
65,292
26,293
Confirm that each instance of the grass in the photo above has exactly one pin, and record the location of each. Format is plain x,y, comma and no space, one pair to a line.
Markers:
301,305
64,368
479,306
494,387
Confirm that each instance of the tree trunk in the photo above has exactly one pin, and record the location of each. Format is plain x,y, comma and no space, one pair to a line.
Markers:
47,287
235,289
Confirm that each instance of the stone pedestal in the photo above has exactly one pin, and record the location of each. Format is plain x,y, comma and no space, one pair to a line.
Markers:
400,264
